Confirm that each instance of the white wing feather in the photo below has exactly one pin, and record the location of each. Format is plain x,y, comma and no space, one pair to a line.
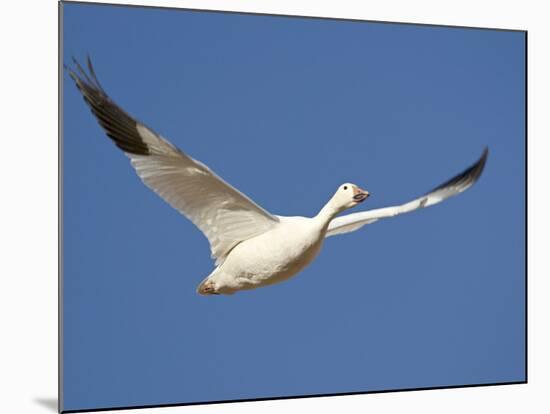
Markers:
225,215
454,186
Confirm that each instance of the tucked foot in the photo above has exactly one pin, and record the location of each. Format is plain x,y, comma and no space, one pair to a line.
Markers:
207,287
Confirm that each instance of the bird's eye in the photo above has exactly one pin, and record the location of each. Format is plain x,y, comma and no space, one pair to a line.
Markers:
345,187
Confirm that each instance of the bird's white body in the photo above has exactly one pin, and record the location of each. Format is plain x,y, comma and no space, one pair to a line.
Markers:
252,247
271,257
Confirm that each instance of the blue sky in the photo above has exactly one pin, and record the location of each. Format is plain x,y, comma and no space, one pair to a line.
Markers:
286,109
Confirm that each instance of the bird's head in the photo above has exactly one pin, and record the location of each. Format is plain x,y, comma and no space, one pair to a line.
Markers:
348,195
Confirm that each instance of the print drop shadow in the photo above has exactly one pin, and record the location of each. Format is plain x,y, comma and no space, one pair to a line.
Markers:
49,403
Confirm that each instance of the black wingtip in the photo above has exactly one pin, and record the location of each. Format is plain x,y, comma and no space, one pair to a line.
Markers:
473,172
479,166
92,73
118,125
468,177
485,153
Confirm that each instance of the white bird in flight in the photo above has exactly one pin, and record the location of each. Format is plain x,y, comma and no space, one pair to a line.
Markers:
251,247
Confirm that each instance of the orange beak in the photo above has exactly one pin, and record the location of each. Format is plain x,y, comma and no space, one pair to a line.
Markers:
360,195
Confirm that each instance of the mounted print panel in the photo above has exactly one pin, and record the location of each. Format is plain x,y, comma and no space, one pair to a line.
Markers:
260,206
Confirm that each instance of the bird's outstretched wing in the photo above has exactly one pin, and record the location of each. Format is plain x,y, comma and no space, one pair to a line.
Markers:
454,186
225,215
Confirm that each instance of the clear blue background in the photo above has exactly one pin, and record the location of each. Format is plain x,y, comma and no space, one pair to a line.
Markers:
286,109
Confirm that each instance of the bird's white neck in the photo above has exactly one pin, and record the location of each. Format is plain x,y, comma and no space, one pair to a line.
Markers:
327,213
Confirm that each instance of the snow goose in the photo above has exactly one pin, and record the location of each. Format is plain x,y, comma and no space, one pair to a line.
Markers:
251,247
